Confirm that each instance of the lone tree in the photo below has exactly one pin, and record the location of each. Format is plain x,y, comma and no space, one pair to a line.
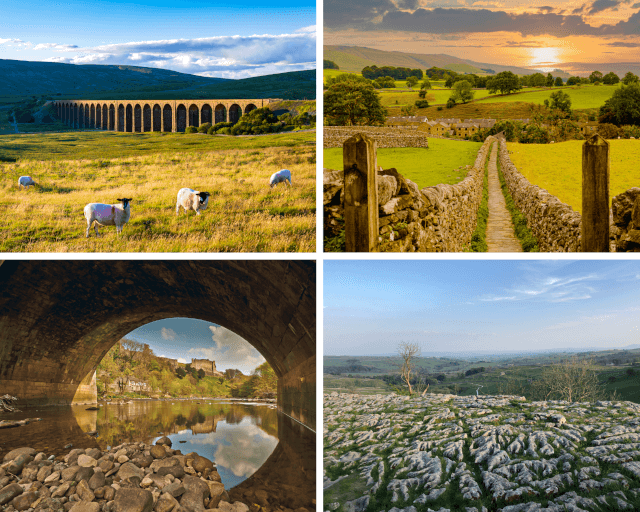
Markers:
407,352
505,82
573,380
351,100
596,76
610,78
630,78
462,91
559,100
411,81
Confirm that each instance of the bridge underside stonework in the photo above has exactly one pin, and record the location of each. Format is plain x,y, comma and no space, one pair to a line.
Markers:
59,318
153,115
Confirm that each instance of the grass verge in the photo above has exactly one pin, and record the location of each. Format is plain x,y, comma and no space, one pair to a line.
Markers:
524,235
479,237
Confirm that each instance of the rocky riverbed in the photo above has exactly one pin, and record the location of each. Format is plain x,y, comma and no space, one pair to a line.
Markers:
444,452
128,478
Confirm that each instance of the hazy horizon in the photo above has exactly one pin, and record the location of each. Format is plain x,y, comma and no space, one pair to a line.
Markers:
495,306
542,35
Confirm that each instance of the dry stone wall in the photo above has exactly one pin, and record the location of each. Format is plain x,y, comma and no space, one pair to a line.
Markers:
554,223
434,219
626,220
335,136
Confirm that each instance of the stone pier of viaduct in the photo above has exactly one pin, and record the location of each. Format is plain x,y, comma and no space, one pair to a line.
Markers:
153,115
59,318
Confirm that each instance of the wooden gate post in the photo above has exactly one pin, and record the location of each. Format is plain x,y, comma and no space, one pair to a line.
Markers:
595,195
360,194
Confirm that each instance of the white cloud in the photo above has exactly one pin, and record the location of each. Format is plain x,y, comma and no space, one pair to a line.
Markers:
229,351
168,334
220,56
182,360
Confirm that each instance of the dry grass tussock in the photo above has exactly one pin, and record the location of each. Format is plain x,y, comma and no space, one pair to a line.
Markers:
244,214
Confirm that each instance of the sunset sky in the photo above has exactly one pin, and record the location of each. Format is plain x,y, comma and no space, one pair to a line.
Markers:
570,35
215,39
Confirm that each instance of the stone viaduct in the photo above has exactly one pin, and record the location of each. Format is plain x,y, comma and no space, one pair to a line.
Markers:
153,115
59,318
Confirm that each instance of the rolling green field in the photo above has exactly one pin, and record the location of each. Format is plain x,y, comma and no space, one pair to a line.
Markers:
425,167
78,168
583,97
558,167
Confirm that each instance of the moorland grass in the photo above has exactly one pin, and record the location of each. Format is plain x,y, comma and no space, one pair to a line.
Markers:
425,167
557,168
98,144
244,214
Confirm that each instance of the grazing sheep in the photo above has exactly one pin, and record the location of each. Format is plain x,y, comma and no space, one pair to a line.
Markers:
282,175
192,200
26,182
107,215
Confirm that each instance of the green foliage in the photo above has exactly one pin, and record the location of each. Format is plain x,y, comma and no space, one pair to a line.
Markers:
573,80
426,84
596,76
558,82
191,129
408,110
505,82
350,101
204,128
181,372
461,91
451,102
385,82
609,131
412,81
623,107
559,100
610,78
422,103
258,121
329,64
630,78
373,72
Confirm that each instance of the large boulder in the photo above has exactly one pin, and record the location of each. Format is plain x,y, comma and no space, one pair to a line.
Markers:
18,451
158,452
24,501
197,491
164,441
166,503
133,500
201,463
128,470
87,461
9,492
85,506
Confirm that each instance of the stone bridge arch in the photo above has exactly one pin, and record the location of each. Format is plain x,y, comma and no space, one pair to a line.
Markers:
59,318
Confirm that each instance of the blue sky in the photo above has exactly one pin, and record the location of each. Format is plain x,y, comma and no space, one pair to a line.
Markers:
187,338
203,37
462,306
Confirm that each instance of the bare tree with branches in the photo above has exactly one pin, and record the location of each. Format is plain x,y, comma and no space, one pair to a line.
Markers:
574,380
408,352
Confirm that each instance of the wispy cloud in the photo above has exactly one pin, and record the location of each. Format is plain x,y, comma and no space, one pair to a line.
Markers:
167,334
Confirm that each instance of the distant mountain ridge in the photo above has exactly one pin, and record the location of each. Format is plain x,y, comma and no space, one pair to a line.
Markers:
19,79
354,58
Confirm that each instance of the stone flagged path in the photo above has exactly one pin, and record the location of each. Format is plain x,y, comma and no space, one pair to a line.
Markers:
500,235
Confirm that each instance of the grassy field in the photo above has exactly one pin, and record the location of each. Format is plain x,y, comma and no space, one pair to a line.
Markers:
425,167
558,167
583,97
244,214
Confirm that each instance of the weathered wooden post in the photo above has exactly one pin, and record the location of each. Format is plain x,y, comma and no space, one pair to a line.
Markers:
360,194
595,195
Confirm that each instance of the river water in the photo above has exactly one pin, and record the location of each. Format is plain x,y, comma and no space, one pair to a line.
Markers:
238,437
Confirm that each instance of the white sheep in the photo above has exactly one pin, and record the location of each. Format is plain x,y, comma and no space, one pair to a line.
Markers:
192,200
26,182
283,175
108,215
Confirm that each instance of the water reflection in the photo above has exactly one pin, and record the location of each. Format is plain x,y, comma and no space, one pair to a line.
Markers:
254,446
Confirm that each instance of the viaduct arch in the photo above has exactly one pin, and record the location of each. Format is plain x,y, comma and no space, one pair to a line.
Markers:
153,115
59,318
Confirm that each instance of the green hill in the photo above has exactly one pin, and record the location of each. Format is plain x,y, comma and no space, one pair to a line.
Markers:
20,79
354,58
